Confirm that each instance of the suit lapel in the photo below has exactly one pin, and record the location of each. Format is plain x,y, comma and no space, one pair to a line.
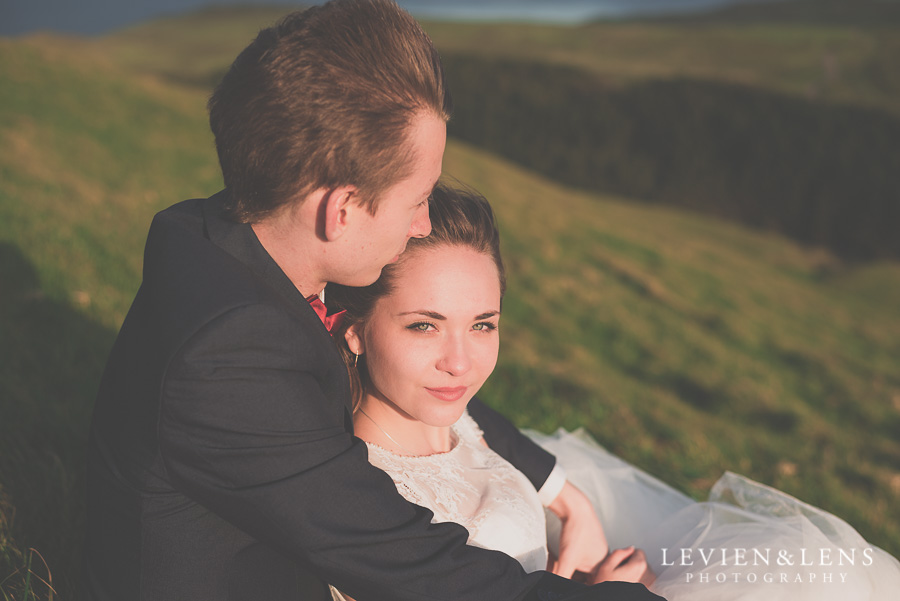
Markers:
239,240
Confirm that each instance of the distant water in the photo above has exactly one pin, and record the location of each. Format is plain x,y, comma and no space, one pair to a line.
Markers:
97,16
553,11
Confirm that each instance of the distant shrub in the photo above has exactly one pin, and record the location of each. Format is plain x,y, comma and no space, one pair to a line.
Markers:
823,174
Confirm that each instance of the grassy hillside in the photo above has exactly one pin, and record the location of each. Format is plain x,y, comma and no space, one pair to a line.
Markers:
789,126
824,174
685,345
840,12
89,154
836,62
845,64
195,48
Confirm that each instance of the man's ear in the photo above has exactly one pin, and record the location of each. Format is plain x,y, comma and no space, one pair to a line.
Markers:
354,339
338,205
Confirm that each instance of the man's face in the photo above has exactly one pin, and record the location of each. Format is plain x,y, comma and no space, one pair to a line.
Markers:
402,213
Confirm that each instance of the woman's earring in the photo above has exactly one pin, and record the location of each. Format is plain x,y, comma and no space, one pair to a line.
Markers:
355,359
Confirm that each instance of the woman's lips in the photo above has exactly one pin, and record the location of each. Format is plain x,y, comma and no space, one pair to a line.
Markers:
448,394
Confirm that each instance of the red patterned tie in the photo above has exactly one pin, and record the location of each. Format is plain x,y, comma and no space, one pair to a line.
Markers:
331,321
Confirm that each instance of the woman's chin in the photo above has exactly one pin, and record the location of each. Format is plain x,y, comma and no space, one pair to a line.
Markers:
446,416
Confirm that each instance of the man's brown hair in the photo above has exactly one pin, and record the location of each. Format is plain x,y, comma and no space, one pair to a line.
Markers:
322,99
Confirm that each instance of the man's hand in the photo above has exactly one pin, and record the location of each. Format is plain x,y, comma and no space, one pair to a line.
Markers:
582,542
625,565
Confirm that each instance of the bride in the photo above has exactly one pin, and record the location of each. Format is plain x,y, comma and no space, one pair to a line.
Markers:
421,341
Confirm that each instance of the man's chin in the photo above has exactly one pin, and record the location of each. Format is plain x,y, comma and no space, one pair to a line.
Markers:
360,280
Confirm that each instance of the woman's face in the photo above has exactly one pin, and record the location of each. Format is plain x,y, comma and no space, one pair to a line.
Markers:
431,344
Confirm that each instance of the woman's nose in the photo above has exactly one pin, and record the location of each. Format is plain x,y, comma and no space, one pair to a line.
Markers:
455,357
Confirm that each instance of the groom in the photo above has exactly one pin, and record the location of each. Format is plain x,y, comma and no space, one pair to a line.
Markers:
221,458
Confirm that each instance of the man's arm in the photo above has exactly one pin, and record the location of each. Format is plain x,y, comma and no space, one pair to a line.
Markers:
507,441
249,434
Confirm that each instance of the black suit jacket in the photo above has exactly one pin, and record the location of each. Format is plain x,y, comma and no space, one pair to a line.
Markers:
221,460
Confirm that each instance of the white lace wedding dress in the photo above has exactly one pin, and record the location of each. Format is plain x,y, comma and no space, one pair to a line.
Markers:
473,486
748,542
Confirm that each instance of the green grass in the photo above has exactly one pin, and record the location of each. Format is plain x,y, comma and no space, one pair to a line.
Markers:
89,155
686,345
843,64
867,13
690,346
193,48
84,145
846,63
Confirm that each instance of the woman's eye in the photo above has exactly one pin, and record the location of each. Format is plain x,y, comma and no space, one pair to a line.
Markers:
422,326
484,326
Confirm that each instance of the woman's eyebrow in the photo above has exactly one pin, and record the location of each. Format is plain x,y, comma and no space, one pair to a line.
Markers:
431,314
437,316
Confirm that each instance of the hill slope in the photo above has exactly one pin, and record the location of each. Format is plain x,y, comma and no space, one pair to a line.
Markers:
89,154
790,127
835,12
836,61
685,345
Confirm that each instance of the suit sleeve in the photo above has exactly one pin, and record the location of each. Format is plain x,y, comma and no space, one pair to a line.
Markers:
508,442
247,431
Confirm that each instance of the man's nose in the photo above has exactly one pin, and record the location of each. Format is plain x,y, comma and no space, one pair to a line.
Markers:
421,223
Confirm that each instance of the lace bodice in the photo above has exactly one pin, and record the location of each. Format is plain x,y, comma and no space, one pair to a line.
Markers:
475,487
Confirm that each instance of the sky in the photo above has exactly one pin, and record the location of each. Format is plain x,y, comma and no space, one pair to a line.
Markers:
99,16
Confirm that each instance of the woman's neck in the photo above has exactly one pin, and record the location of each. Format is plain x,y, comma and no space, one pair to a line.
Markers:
383,424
